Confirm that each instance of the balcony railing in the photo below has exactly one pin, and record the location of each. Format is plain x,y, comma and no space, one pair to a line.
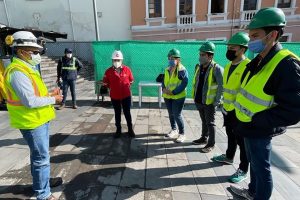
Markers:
246,16
183,20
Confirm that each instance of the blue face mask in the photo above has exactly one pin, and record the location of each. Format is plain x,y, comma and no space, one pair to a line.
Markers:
257,46
172,63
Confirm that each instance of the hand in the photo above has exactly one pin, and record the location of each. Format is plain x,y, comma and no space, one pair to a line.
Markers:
167,91
58,80
58,99
56,91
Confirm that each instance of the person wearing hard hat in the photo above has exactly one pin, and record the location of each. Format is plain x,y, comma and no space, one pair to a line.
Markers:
268,99
68,67
236,48
30,107
207,92
118,78
174,93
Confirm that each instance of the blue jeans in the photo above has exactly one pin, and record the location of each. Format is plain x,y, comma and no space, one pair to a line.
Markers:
259,155
38,142
66,84
175,107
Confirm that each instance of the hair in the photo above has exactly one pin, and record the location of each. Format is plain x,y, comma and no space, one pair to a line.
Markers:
269,29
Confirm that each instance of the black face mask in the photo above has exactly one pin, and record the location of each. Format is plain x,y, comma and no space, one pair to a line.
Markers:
230,55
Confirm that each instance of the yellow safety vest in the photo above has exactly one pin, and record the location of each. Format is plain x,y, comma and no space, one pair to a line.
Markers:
251,98
232,84
212,85
72,67
171,82
22,117
2,88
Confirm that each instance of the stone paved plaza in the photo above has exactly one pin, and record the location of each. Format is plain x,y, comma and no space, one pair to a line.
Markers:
94,165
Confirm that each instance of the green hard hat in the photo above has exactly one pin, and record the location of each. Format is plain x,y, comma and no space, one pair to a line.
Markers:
267,17
240,38
174,53
208,47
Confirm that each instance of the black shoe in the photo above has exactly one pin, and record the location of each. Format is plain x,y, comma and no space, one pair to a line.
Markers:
54,182
200,141
118,133
131,133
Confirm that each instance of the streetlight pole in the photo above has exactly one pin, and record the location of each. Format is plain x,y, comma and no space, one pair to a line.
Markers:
96,20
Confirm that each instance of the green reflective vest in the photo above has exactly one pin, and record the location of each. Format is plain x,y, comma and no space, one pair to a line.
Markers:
212,85
22,117
171,82
251,98
232,84
72,67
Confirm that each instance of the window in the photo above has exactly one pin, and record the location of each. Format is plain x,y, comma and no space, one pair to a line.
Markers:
217,6
154,7
250,4
284,4
185,7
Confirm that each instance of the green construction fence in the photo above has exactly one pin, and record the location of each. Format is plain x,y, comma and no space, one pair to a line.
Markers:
148,59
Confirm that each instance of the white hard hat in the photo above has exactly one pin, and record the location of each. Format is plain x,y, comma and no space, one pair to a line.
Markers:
24,39
117,55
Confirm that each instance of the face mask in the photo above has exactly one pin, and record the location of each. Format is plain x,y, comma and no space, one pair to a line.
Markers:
257,46
117,64
69,55
203,60
172,63
35,59
230,55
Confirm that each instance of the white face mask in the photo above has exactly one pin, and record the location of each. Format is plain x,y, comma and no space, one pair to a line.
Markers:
69,55
35,59
117,64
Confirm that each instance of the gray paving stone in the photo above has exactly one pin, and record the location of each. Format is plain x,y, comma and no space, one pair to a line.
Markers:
213,197
157,174
134,174
181,176
158,195
185,195
130,194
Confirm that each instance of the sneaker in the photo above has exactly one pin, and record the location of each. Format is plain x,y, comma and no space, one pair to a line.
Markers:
200,141
62,106
75,107
180,139
118,133
131,133
238,176
51,197
54,182
222,158
172,134
207,149
242,192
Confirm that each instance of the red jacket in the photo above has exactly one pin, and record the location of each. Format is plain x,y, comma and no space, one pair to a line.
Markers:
118,84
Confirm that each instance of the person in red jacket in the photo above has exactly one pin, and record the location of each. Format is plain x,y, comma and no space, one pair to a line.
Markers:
118,78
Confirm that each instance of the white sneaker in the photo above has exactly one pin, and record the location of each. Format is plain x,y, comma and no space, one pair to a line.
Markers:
172,134
180,139
242,192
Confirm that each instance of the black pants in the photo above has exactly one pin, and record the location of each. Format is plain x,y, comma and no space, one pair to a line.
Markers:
118,105
207,114
234,140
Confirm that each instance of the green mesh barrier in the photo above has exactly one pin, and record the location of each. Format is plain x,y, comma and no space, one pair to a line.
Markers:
148,59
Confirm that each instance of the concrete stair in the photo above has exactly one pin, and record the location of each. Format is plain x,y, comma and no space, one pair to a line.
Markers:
49,72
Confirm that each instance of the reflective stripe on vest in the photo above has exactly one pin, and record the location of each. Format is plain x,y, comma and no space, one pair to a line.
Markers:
22,117
72,67
212,85
171,82
252,99
231,84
